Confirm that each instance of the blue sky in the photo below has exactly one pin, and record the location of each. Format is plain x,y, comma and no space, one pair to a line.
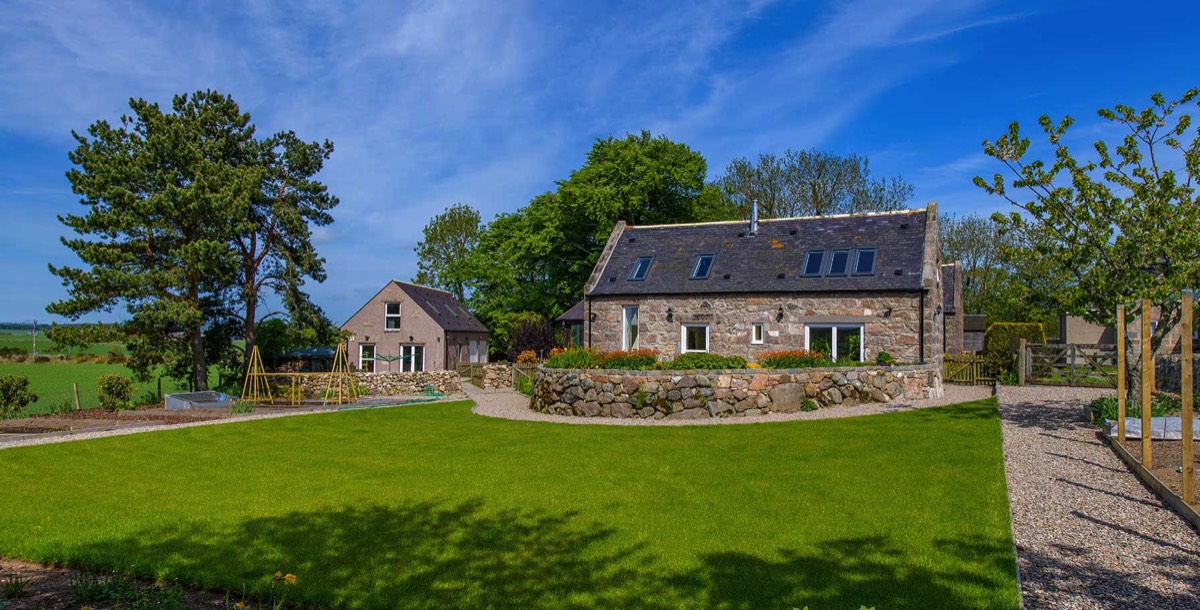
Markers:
489,103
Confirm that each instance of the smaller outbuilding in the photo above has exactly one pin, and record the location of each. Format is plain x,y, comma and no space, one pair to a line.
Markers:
410,328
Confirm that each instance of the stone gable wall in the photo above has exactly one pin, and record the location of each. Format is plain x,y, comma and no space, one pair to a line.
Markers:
891,322
734,393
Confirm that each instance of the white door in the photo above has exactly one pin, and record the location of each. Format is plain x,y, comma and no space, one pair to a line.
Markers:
473,349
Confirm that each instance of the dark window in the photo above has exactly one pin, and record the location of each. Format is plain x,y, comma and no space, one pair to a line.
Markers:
641,267
703,265
839,262
813,261
865,263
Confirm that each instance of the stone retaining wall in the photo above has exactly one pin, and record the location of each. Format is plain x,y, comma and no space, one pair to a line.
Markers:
1168,373
389,384
732,393
497,375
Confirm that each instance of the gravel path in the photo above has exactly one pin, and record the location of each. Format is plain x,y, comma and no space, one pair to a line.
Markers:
509,404
1088,533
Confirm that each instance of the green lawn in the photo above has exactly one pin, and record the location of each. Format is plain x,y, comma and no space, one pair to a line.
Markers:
429,506
52,382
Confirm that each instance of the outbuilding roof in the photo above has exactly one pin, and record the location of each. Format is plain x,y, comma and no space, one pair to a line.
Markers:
443,308
772,260
574,314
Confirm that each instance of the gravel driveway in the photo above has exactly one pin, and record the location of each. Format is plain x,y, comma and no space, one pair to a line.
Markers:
1088,533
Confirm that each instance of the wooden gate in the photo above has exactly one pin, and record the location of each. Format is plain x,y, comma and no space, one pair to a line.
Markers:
966,369
522,380
472,371
1071,364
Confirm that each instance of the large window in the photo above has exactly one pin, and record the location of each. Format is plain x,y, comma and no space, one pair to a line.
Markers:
838,341
366,357
641,267
694,338
391,317
412,358
703,266
632,326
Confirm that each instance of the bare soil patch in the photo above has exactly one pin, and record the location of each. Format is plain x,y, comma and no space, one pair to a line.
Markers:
1167,457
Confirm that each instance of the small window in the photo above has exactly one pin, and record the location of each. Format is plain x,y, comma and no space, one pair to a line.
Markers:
703,266
865,263
839,262
366,357
640,268
759,333
813,261
391,318
695,338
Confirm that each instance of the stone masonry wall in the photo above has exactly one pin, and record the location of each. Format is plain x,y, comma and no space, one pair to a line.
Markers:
497,375
703,394
891,322
389,384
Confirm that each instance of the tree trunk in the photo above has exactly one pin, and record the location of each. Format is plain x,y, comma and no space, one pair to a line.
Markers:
251,313
199,365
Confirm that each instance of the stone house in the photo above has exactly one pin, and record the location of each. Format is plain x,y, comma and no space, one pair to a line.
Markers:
411,328
850,285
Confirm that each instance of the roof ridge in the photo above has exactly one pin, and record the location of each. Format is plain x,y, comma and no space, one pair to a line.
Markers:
763,220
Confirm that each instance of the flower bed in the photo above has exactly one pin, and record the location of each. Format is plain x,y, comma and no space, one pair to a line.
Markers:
726,393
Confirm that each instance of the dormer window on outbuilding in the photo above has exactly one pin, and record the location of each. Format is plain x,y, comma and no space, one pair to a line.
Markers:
640,268
703,266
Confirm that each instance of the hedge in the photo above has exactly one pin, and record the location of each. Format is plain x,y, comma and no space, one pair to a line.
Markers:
1002,341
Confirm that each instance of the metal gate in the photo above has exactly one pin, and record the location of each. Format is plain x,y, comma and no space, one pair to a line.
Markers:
1071,364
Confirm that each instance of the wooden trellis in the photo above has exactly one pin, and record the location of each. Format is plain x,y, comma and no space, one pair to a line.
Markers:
257,388
342,387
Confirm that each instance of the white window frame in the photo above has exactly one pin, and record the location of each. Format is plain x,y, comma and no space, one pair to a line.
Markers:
862,332
387,316
683,339
637,341
362,346
406,365
758,333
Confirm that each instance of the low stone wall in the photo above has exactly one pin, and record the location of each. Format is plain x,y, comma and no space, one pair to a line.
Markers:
497,375
733,393
1168,373
389,384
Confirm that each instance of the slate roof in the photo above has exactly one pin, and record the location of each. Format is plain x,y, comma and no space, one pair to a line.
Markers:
443,308
745,263
949,287
574,314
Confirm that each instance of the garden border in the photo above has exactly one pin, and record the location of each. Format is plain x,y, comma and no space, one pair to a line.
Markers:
1168,496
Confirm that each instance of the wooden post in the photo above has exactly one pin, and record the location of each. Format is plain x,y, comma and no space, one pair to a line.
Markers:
1185,391
75,386
1121,328
160,394
1022,362
1144,338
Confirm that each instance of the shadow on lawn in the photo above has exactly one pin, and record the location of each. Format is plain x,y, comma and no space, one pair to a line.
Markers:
432,555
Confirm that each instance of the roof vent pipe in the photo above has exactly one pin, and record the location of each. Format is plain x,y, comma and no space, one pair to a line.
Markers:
753,217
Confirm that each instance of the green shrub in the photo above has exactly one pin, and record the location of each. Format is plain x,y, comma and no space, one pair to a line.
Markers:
794,359
574,358
1002,341
884,359
13,353
114,391
1161,405
238,407
114,357
630,360
700,361
808,405
14,395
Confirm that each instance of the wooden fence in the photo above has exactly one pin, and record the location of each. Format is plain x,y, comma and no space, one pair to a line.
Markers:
966,369
1069,364
472,371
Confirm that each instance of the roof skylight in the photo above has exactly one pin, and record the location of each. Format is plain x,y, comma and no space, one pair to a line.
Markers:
865,263
703,266
839,262
813,261
640,268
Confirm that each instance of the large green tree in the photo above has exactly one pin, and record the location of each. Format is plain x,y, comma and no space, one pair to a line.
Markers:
1117,227
443,256
811,183
188,216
